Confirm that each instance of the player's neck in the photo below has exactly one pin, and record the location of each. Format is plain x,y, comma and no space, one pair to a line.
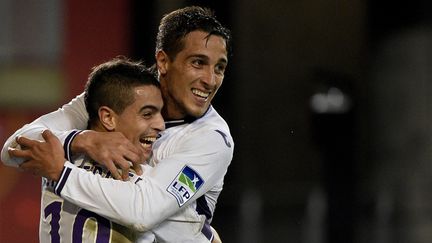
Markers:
98,128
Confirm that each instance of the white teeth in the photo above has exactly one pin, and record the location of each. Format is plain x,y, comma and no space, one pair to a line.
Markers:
147,141
200,93
145,145
150,139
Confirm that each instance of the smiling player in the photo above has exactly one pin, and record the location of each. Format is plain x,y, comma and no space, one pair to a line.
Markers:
177,199
120,96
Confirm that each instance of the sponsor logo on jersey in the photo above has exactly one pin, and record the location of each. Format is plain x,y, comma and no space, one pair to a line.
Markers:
185,185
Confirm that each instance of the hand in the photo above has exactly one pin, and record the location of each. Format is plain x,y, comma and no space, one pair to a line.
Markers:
110,149
42,158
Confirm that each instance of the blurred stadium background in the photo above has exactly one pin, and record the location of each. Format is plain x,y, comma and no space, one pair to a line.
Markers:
329,103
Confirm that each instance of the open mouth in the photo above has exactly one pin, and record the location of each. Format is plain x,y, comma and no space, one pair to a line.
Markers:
146,142
201,94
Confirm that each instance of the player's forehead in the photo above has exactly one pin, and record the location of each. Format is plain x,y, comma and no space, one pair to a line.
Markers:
202,43
147,96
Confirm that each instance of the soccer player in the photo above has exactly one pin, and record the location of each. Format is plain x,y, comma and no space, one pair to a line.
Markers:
121,96
190,159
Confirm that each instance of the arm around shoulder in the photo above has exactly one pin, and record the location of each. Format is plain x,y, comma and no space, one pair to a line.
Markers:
71,116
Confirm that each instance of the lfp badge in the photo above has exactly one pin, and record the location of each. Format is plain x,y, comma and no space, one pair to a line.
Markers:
184,186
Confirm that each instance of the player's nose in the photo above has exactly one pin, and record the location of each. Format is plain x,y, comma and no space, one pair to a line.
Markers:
159,123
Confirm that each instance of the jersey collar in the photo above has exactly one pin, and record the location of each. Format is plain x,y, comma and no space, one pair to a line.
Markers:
173,123
186,120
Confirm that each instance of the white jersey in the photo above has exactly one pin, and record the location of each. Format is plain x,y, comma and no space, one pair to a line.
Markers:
175,200
62,221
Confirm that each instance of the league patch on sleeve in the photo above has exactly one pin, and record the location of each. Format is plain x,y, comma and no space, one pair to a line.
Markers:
184,186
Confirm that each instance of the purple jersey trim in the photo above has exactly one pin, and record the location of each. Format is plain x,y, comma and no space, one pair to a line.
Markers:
68,142
63,178
206,230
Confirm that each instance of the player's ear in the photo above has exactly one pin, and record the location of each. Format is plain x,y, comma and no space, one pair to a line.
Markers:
107,118
162,62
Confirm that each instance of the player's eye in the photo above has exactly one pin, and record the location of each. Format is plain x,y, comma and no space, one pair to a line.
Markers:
220,69
197,62
147,114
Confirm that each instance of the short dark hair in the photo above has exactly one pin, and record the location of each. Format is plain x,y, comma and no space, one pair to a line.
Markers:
176,25
111,83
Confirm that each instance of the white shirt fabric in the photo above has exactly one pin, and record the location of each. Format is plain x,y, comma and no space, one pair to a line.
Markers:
63,221
175,200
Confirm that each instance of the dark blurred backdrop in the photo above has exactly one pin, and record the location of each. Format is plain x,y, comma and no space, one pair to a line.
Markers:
328,102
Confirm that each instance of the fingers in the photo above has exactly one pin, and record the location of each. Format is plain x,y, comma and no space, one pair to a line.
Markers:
136,156
119,169
52,139
124,167
114,165
133,154
142,157
113,150
113,169
47,135
133,157
25,142
137,159
13,152
137,168
125,175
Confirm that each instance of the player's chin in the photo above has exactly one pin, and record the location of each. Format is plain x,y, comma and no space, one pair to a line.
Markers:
146,155
197,108
197,111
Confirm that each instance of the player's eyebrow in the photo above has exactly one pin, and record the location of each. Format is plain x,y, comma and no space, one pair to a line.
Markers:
148,107
202,56
205,57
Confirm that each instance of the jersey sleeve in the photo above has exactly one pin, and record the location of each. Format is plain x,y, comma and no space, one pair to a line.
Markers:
70,116
172,184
